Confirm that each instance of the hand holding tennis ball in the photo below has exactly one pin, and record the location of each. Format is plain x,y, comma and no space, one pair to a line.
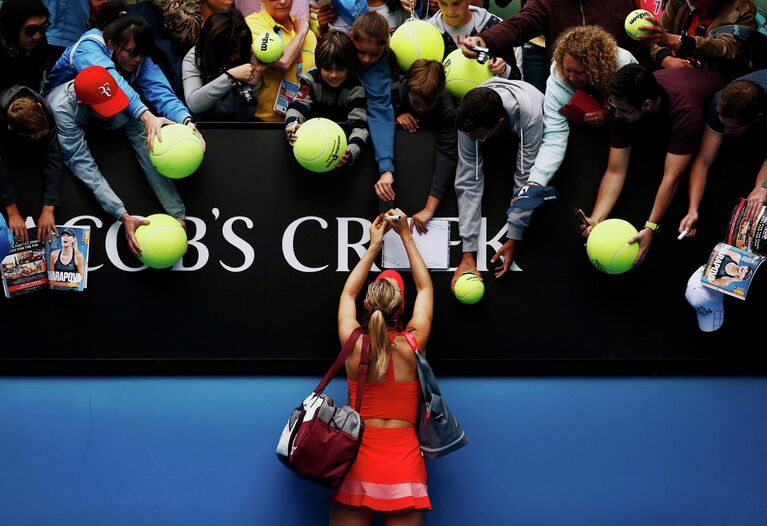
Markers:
641,25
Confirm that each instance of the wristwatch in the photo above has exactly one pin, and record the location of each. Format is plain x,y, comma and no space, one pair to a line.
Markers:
652,226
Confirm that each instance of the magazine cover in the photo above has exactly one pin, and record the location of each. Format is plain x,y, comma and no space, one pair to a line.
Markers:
730,270
24,268
748,234
67,257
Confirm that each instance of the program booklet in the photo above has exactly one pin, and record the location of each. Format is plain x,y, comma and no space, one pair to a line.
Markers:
61,264
24,269
748,234
730,270
67,257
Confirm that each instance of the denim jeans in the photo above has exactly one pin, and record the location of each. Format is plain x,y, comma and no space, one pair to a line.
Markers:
71,119
535,66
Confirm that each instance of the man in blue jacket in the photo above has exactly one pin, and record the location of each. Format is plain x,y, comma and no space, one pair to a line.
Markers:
95,97
123,51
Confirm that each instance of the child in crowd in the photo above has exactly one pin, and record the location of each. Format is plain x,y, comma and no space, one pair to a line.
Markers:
391,10
220,81
28,129
334,91
370,34
421,102
457,20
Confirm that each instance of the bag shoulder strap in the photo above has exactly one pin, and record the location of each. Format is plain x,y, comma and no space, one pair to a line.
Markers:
420,362
410,337
362,371
345,351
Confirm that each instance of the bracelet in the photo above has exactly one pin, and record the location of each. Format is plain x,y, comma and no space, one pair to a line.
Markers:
408,239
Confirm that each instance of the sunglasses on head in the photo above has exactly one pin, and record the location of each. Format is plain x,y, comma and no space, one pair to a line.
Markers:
34,29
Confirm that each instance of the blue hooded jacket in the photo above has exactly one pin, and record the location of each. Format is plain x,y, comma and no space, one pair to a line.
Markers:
148,82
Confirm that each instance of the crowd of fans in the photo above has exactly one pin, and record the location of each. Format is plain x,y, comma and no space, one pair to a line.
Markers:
692,76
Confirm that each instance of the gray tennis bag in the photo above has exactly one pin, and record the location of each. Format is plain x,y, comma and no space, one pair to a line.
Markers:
438,430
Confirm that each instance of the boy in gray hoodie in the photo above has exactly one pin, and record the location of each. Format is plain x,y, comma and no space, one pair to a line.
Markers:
505,109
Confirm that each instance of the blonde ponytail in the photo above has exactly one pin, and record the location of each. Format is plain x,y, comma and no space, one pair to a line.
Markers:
379,344
384,301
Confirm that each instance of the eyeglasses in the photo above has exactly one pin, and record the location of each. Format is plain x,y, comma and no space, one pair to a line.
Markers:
132,53
619,111
34,29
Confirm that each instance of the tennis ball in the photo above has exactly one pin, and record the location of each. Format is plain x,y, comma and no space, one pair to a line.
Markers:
416,39
469,289
179,153
608,247
463,74
635,20
320,144
268,47
162,241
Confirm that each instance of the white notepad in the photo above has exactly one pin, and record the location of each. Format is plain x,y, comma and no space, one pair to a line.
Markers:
434,247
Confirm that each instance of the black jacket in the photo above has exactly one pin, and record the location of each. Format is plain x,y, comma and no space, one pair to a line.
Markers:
47,149
19,66
442,120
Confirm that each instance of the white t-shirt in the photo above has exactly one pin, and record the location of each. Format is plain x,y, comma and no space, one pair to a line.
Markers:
395,18
460,33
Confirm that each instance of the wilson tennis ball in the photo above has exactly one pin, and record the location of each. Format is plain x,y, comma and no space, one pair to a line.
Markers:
162,241
636,19
268,47
463,74
608,247
416,39
469,289
179,153
320,144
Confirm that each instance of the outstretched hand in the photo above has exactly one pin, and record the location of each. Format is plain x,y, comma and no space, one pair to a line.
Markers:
644,238
131,223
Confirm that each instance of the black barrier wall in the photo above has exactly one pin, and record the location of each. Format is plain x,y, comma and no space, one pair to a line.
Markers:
271,246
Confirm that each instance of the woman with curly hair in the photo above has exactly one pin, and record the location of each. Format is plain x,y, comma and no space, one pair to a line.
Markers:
584,59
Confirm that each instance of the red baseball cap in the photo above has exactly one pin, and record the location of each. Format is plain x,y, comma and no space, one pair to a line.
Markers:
393,274
97,88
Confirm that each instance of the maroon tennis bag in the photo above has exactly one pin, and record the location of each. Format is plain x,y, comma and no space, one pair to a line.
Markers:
320,440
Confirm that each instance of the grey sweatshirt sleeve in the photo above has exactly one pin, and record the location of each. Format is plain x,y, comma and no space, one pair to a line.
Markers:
201,97
469,187
530,139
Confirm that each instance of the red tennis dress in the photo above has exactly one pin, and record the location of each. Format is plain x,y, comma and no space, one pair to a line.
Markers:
389,473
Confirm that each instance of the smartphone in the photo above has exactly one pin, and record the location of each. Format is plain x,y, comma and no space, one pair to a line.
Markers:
321,3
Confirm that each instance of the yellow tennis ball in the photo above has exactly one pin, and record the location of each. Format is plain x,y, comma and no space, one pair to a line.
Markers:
416,39
179,153
162,241
635,20
463,74
268,47
320,144
608,247
469,289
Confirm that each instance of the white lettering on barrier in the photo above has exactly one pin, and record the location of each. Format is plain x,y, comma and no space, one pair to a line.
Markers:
239,243
344,245
111,247
288,250
202,251
288,243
